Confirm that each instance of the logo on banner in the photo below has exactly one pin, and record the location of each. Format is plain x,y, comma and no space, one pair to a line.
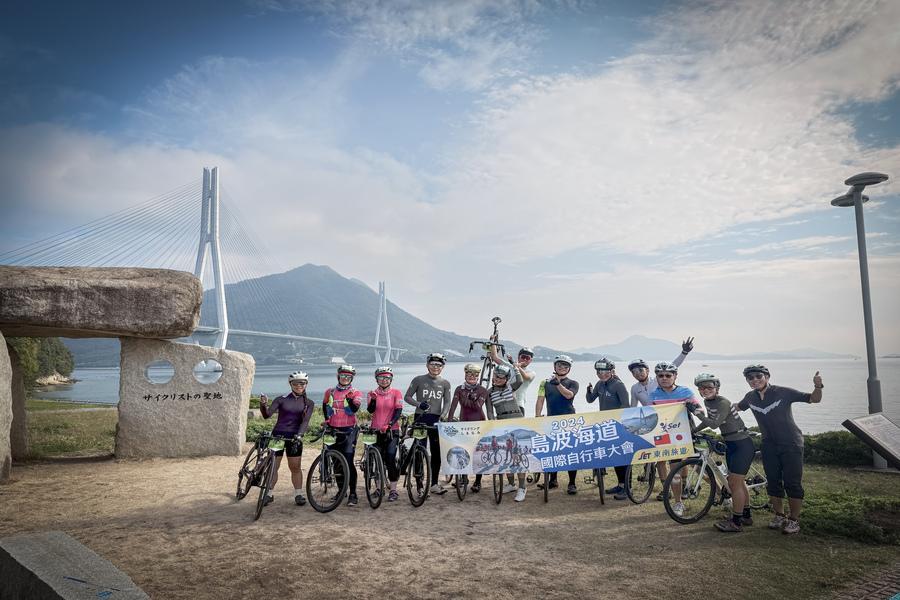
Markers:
661,440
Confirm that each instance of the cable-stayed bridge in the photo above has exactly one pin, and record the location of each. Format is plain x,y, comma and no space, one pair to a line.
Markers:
163,232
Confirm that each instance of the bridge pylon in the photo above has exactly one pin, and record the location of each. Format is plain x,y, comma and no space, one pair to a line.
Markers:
209,244
382,316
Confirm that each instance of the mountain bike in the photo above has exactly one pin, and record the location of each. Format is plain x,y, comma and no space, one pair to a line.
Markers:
329,475
414,461
704,481
639,482
259,468
372,466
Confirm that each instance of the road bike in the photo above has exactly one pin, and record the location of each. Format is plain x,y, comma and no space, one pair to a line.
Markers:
414,461
597,476
329,475
639,482
259,468
704,482
372,466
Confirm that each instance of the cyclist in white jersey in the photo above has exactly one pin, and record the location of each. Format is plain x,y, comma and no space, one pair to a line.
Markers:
640,391
524,374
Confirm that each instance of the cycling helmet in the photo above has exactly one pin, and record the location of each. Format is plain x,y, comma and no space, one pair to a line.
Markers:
756,369
665,367
472,368
384,371
502,371
706,378
563,358
298,376
526,351
638,363
604,365
436,357
348,369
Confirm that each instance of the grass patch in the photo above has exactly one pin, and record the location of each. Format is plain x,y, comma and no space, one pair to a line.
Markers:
71,433
39,405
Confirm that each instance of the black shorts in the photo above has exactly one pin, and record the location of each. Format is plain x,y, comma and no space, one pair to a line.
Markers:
292,448
739,455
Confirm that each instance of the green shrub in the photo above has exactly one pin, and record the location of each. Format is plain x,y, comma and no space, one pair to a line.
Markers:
873,520
836,448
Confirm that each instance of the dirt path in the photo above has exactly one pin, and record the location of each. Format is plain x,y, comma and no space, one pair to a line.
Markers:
174,527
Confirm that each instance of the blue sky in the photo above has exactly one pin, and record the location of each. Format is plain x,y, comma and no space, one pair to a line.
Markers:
588,170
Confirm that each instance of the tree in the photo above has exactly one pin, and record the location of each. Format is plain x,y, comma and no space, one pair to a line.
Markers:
40,357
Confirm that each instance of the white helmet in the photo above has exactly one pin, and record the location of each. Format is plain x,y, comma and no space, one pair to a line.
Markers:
563,358
472,368
298,376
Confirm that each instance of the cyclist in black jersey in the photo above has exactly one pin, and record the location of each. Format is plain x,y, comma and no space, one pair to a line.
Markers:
294,410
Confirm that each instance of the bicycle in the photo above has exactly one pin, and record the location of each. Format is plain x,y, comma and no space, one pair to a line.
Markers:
259,468
462,486
705,482
597,477
414,461
639,482
329,475
372,466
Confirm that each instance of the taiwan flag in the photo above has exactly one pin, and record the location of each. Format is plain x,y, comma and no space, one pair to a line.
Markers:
661,440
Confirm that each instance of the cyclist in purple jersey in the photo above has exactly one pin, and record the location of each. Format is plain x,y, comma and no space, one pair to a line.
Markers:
471,397
294,410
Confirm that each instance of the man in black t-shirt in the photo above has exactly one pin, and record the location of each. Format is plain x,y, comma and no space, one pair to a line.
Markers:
782,442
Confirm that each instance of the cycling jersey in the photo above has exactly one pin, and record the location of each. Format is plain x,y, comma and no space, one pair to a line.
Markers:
470,400
612,394
338,399
557,404
720,416
433,390
386,403
640,392
773,414
503,401
293,414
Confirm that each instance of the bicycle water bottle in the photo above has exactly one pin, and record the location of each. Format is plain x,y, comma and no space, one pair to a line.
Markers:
722,468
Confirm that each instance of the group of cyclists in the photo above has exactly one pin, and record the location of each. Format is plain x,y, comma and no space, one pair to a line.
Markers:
781,444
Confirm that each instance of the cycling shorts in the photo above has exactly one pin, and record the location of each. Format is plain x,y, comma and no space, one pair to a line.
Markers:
738,455
292,448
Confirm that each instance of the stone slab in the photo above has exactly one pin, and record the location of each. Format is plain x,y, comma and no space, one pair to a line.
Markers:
182,417
18,433
6,412
53,565
98,302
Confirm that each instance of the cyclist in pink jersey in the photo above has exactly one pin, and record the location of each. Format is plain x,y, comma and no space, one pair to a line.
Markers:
386,405
340,406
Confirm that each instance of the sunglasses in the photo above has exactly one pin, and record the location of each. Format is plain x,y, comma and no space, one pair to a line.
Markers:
298,383
658,375
753,376
343,375
707,387
384,377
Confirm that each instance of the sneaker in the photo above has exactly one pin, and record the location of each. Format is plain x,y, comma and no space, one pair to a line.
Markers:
509,488
352,500
728,526
476,487
520,495
571,489
790,526
269,500
393,496
659,497
618,489
620,495
437,489
678,509
553,485
777,522
746,521
299,500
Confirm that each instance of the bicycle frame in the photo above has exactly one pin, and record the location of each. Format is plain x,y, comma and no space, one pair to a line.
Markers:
705,452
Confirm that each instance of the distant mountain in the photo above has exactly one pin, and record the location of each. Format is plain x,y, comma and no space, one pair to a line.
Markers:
652,349
312,301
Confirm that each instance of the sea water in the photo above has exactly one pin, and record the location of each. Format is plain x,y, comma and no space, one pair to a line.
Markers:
844,393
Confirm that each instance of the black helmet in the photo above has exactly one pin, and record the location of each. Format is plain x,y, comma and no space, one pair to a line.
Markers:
604,365
526,351
756,369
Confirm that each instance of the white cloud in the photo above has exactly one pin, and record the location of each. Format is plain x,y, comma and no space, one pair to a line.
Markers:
807,243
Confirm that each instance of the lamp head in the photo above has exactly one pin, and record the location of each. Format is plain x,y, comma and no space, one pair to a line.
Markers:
868,178
847,200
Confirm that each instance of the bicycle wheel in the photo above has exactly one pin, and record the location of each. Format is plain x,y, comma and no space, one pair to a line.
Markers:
327,481
639,482
462,486
756,485
546,488
374,477
418,476
247,474
524,462
267,473
497,480
599,476
698,490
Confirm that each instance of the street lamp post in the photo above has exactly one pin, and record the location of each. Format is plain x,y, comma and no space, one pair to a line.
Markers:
855,198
